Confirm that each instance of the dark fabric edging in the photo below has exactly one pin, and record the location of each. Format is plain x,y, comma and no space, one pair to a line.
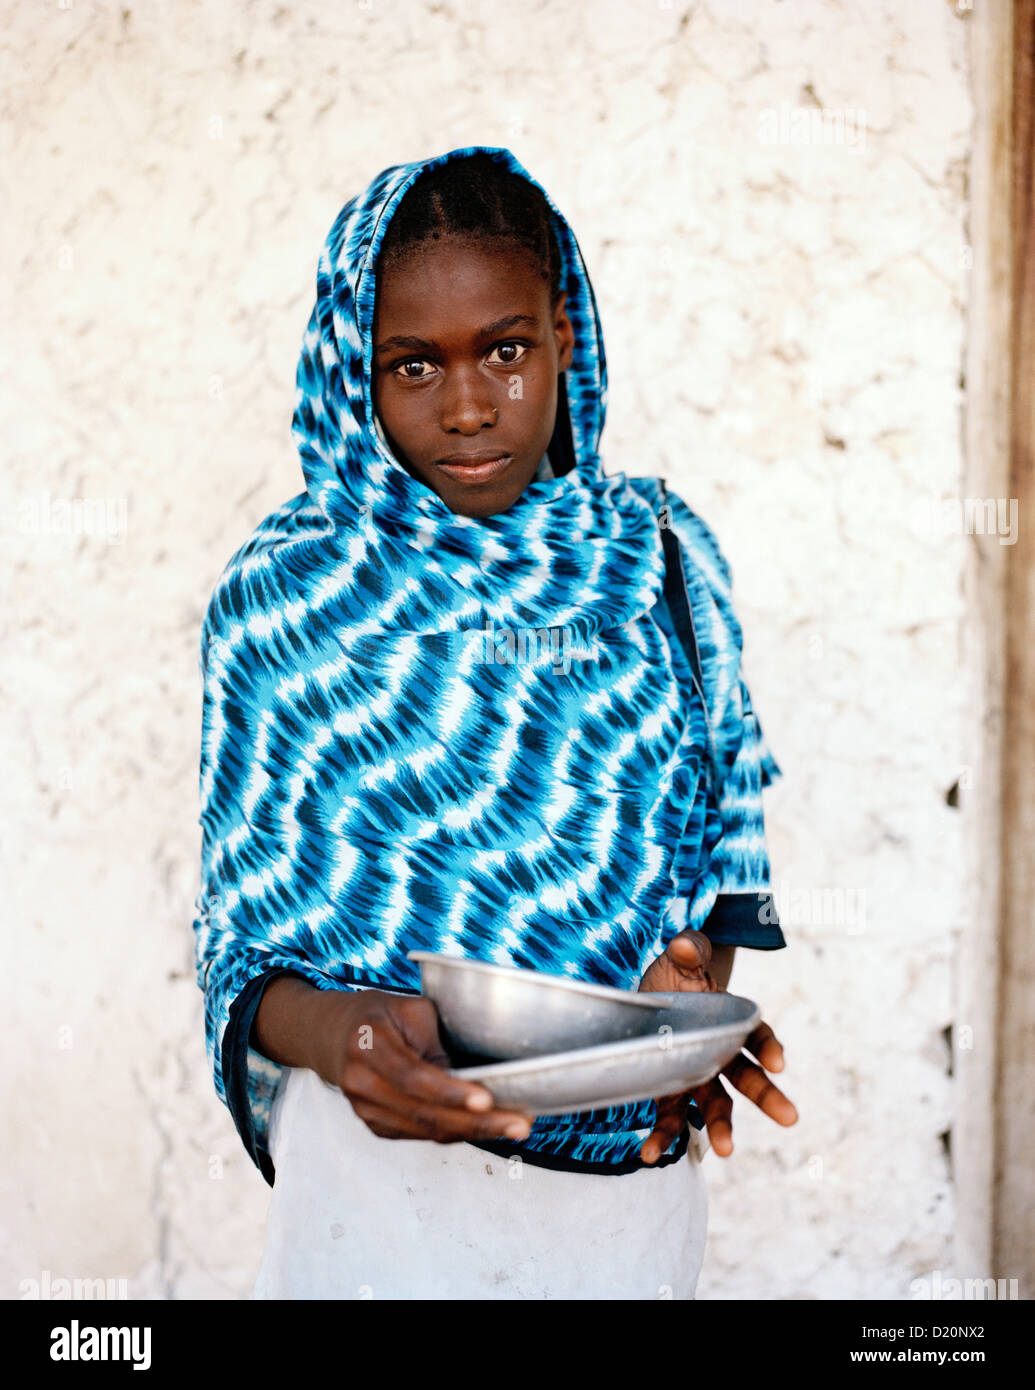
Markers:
537,1159
236,1042
734,921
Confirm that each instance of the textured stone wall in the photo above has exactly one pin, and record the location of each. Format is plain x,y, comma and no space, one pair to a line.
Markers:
783,294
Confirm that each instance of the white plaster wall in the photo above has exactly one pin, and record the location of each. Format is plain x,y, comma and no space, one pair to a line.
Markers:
785,327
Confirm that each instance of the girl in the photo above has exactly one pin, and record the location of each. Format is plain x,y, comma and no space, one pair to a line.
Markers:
394,758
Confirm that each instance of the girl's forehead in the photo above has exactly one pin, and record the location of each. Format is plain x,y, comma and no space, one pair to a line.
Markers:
451,253
451,274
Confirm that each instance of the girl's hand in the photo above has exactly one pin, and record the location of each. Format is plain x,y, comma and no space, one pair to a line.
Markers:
684,967
388,1060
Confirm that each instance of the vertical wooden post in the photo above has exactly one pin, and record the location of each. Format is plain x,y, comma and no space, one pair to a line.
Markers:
986,473
1013,1231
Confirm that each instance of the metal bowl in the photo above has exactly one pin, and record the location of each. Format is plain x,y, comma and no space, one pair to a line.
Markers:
693,1039
500,1012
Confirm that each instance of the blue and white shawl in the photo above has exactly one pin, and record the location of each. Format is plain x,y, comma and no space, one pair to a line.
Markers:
523,739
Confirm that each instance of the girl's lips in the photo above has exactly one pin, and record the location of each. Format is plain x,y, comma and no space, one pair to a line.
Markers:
476,472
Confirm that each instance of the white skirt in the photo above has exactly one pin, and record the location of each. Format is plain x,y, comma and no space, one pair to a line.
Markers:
353,1216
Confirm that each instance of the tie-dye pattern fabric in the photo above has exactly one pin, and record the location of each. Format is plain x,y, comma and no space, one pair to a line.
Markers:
498,738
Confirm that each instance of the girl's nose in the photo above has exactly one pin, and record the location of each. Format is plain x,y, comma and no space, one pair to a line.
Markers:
466,406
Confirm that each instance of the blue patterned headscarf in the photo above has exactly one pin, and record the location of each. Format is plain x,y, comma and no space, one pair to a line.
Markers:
490,737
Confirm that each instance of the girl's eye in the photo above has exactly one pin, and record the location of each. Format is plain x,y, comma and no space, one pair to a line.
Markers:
506,349
403,368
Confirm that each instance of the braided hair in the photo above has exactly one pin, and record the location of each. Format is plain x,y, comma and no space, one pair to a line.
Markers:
477,198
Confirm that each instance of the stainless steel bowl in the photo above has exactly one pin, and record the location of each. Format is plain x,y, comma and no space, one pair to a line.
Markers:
500,1012
692,1040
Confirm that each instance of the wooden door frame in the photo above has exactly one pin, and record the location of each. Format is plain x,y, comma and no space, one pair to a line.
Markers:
993,1136
1013,1228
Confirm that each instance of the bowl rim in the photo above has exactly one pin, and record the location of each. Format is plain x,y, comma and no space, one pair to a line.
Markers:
655,1000
576,1056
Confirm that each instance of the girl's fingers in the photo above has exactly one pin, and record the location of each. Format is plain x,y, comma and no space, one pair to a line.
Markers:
690,952
669,1125
683,965
400,1121
424,1081
406,1102
418,1052
764,1045
751,1081
437,1122
393,1075
716,1105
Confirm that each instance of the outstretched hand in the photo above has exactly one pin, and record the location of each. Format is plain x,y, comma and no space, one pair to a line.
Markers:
683,967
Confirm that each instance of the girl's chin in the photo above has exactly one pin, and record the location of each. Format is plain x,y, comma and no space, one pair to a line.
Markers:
465,494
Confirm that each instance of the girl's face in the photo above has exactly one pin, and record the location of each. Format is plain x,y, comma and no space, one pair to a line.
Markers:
467,349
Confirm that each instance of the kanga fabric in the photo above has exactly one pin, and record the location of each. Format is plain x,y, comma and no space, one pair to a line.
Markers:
524,739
